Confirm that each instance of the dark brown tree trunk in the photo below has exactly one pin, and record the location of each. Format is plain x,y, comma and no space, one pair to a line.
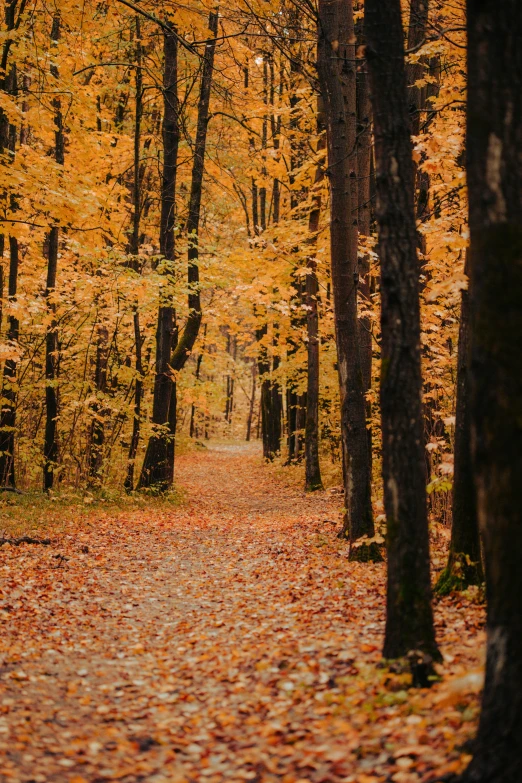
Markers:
464,566
134,247
264,140
364,214
9,389
155,470
409,617
337,77
158,468
51,339
494,166
197,375
138,396
191,330
251,404
313,479
99,408
9,378
271,403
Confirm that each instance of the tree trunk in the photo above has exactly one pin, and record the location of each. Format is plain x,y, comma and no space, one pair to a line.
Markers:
155,471
336,67
51,338
9,386
464,566
191,330
138,396
9,389
99,408
409,617
364,214
134,247
313,479
271,404
251,404
494,166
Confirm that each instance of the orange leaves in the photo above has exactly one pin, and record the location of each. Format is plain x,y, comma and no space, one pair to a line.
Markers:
216,641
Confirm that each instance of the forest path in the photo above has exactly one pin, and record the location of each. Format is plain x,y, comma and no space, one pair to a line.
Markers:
224,640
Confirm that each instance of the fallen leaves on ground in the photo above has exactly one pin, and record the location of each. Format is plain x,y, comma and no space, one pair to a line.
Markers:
226,640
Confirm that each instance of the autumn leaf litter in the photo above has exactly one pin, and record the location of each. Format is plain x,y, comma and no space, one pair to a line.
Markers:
226,640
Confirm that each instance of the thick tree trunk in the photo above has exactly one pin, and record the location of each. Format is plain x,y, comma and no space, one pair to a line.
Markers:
271,403
155,470
337,77
409,617
51,339
494,165
464,566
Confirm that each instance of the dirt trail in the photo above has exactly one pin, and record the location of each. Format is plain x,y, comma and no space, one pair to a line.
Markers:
225,640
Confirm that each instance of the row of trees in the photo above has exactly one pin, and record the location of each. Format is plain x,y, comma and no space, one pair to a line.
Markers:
106,252
272,196
488,364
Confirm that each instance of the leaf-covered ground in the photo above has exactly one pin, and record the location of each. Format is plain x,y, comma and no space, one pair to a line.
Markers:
228,639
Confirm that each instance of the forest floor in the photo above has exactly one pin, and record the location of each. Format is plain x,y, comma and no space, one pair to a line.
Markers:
224,639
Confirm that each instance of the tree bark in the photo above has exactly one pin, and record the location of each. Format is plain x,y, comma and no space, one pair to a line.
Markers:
409,617
271,404
155,471
99,408
9,389
252,403
364,214
51,338
337,78
191,330
464,565
9,379
313,479
494,167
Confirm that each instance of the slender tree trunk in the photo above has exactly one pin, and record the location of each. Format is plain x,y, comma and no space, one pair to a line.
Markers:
313,479
9,379
134,247
199,362
409,617
464,566
252,403
364,214
494,166
191,330
271,404
336,67
99,408
9,389
51,340
138,396
155,471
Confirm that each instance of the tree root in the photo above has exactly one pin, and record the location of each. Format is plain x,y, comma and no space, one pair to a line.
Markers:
458,575
365,552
